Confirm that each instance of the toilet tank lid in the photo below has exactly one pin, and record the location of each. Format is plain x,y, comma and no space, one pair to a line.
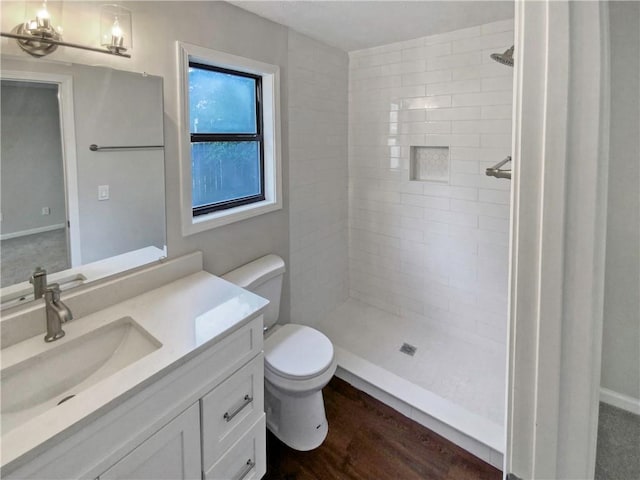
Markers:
258,271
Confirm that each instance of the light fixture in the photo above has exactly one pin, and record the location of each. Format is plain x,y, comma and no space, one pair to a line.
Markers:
115,28
38,37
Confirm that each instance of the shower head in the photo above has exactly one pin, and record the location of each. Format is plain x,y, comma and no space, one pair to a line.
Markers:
505,58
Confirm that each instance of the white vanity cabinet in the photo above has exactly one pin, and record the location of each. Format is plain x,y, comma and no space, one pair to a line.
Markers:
172,453
222,436
203,419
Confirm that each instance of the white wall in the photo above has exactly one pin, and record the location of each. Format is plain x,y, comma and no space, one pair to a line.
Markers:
621,329
157,26
317,80
430,250
32,171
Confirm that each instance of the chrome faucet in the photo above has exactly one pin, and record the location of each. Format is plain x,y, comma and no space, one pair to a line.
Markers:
57,313
39,282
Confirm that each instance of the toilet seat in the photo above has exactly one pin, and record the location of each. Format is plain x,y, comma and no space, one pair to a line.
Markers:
297,352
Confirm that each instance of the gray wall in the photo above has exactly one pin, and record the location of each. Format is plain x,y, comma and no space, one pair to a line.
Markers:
31,153
621,334
110,108
216,25
119,108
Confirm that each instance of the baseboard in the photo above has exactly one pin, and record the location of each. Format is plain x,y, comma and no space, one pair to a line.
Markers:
620,400
32,231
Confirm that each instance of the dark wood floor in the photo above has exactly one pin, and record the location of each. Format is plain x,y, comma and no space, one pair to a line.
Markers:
369,441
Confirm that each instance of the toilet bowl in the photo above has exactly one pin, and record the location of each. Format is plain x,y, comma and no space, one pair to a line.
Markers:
298,362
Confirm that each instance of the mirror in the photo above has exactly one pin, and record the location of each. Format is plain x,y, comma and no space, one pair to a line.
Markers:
82,169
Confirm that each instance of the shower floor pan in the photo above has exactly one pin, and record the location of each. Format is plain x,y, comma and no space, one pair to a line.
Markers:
453,384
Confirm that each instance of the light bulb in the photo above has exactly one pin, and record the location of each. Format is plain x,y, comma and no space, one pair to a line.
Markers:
42,17
116,31
43,12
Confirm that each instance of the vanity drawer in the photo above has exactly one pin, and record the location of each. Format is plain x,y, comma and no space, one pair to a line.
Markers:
246,459
230,409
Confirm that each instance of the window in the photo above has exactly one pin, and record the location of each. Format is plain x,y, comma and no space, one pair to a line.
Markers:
227,157
229,142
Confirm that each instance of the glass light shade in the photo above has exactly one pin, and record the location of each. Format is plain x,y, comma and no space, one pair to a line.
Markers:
115,28
43,17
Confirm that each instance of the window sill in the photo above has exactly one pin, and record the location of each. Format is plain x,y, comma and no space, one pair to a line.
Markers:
225,217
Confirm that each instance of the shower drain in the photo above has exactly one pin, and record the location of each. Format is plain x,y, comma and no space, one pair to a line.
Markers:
408,349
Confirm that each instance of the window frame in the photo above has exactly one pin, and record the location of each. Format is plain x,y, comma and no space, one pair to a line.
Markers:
271,144
233,137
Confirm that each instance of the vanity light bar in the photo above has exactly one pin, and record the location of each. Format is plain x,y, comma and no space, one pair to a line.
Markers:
38,39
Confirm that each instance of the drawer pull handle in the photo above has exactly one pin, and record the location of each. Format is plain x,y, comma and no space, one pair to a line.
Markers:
229,416
248,467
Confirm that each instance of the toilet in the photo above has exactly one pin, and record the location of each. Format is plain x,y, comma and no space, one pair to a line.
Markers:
298,361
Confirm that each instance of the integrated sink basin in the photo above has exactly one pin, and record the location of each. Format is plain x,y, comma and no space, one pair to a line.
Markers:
46,375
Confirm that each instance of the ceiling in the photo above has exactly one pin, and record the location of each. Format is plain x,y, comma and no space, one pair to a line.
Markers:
357,24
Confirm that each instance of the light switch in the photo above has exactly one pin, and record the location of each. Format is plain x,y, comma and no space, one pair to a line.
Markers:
46,211
103,192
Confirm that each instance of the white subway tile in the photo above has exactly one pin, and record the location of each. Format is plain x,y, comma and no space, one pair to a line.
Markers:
426,102
482,126
425,201
426,127
464,167
466,180
485,98
495,196
479,208
499,41
480,154
404,233
452,61
448,191
426,51
376,82
406,116
496,141
453,140
463,86
497,84
460,113
404,67
377,59
425,78
497,112
494,224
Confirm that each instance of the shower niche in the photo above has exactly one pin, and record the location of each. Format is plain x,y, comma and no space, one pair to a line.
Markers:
429,164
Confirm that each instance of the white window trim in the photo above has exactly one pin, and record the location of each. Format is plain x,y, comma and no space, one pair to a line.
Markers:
271,138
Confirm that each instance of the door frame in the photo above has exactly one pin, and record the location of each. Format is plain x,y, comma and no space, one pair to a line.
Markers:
68,141
559,201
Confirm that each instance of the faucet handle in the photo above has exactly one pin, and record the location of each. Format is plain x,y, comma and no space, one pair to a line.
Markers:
37,273
53,292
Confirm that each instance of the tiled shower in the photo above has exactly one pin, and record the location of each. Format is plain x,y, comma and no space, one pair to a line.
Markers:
397,235
428,230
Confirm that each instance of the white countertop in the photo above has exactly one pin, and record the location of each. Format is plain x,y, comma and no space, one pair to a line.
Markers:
187,316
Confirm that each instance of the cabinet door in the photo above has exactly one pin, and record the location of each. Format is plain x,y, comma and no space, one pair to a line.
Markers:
172,453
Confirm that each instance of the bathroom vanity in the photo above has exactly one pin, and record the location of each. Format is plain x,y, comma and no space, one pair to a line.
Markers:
159,376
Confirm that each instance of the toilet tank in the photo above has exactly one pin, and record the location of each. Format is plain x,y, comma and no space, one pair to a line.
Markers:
262,277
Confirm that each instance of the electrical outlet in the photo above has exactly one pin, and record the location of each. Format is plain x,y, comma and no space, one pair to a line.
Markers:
46,211
103,192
